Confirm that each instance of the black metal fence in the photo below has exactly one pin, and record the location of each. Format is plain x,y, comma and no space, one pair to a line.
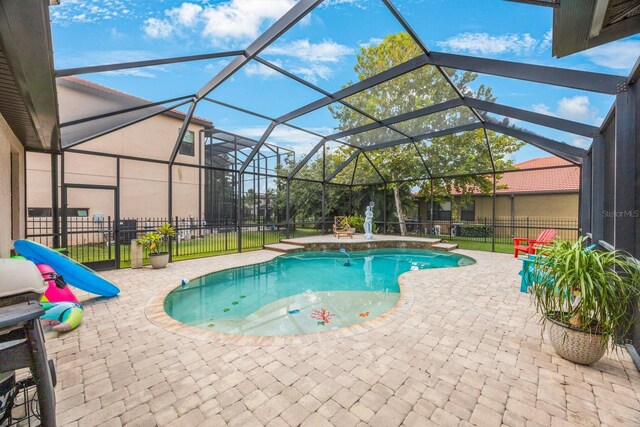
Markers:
480,230
485,230
99,245
505,229
95,243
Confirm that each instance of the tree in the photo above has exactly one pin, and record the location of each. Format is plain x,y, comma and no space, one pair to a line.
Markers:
449,155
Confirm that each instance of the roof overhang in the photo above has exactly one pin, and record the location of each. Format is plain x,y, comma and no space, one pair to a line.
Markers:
27,86
583,24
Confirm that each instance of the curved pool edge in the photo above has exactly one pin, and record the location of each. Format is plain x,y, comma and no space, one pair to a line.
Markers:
154,311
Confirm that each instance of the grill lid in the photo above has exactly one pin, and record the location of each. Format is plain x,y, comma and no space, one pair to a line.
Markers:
18,276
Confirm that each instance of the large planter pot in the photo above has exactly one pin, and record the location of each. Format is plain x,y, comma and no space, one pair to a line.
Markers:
575,345
159,260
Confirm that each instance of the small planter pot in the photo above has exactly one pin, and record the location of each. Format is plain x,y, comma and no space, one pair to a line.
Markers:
352,230
574,344
159,260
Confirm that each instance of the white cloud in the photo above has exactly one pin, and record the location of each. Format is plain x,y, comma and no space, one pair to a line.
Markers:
619,55
325,51
577,108
483,43
542,109
259,70
547,40
158,28
240,20
373,41
235,23
361,4
80,18
287,137
133,72
230,24
84,11
580,142
308,59
186,14
313,72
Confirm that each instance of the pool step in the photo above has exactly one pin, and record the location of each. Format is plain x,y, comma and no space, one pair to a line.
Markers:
446,247
292,242
285,248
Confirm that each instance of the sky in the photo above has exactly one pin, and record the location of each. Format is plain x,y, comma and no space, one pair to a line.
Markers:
322,49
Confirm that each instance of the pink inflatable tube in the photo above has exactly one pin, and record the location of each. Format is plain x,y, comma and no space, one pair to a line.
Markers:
53,292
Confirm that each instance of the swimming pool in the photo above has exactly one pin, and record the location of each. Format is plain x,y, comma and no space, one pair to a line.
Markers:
301,293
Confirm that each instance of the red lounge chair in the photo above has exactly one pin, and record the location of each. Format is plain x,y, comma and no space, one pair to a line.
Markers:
531,244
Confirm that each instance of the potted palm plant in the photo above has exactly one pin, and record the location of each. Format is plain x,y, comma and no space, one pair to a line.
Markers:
584,297
356,223
154,242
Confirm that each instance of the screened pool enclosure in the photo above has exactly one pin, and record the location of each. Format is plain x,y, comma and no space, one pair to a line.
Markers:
421,124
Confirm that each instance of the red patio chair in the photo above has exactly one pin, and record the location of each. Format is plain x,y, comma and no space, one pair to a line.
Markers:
532,244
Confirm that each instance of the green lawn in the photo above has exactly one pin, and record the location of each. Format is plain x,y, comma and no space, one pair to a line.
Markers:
225,243
213,244
506,248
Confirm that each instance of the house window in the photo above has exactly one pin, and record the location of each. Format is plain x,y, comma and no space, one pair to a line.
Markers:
187,144
48,212
40,212
468,211
442,211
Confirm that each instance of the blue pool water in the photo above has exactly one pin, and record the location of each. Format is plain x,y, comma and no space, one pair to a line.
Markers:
303,292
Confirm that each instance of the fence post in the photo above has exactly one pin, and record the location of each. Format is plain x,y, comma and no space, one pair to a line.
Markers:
485,228
109,231
527,227
287,218
178,235
493,221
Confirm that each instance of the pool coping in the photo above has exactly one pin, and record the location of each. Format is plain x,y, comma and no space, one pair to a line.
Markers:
155,313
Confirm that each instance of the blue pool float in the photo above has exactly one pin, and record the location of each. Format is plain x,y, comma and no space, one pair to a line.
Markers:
74,273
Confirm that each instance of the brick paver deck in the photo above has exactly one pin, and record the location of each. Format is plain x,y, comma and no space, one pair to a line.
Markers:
468,351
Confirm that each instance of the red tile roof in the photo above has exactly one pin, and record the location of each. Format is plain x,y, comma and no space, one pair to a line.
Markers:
562,179
96,86
542,180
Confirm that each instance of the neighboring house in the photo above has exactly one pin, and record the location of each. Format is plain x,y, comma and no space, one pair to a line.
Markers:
143,185
536,194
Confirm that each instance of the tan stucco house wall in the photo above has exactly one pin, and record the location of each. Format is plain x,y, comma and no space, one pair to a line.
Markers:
12,203
143,185
550,205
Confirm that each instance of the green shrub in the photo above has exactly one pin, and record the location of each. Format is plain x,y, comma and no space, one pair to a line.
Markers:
356,221
476,230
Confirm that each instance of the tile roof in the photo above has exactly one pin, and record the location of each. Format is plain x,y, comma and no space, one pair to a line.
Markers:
542,180
563,179
96,86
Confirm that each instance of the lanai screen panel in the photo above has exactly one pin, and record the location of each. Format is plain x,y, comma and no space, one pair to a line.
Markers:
278,93
398,163
447,119
403,94
335,118
302,50
455,154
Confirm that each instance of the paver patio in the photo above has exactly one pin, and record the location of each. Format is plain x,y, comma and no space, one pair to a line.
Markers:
466,351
